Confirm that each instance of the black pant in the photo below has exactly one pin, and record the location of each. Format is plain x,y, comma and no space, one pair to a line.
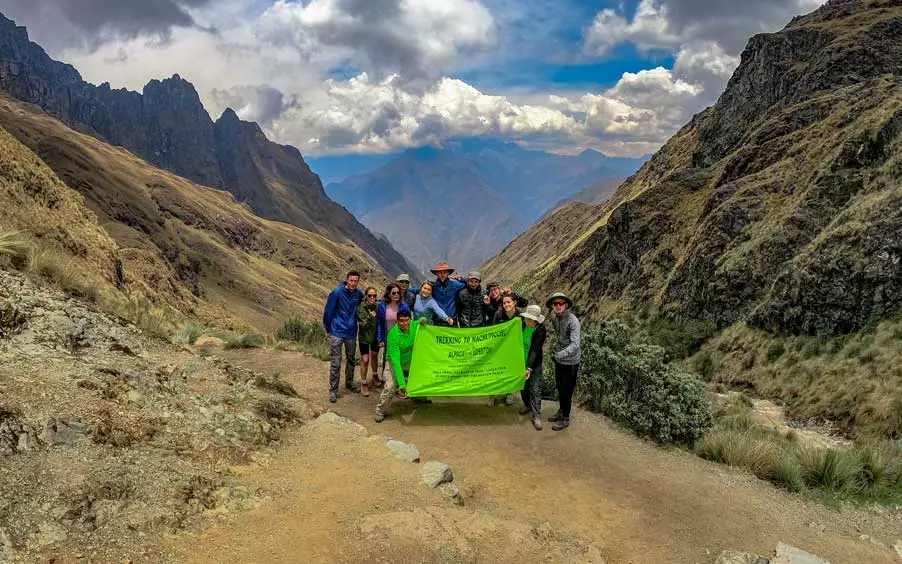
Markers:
565,379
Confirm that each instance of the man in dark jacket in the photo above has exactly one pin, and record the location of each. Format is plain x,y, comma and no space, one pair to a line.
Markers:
496,294
534,335
340,322
472,305
408,295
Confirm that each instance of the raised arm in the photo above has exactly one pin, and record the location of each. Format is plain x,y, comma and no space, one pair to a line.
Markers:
329,311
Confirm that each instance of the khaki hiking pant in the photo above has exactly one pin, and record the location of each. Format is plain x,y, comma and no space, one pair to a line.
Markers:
388,391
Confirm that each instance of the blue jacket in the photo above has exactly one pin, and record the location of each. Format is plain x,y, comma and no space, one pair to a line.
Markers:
381,333
340,313
426,308
446,295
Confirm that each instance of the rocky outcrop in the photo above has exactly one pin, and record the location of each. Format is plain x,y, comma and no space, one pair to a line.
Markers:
167,126
779,204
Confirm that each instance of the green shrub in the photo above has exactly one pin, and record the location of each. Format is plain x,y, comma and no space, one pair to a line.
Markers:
787,472
681,339
749,449
634,384
828,468
306,336
244,341
775,351
189,333
704,365
549,387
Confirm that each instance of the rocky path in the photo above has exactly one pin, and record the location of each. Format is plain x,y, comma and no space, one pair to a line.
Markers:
529,496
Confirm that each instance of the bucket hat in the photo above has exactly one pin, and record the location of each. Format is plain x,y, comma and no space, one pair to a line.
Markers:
442,265
559,295
403,278
533,312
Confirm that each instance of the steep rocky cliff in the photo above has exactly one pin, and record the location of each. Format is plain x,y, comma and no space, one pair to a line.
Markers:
168,126
780,205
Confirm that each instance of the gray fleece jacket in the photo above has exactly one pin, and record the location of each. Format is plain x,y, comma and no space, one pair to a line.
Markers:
566,339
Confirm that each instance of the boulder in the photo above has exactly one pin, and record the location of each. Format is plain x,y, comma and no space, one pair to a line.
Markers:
404,451
59,432
452,492
734,557
436,473
898,548
334,419
791,555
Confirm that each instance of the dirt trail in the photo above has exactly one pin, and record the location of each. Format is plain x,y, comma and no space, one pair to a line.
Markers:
593,484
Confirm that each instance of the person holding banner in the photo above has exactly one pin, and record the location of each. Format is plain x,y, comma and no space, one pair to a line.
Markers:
507,312
398,353
566,355
534,335
426,308
340,322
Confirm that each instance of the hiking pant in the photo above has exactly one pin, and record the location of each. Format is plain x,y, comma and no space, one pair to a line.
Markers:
532,393
388,391
349,345
565,380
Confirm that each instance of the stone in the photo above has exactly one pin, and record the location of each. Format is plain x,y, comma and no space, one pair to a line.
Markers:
58,432
27,442
7,554
452,492
791,555
734,557
335,419
898,548
48,534
435,473
135,397
404,451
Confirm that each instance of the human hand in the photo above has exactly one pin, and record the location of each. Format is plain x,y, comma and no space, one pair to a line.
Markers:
528,374
422,321
381,345
506,291
372,314
450,321
486,299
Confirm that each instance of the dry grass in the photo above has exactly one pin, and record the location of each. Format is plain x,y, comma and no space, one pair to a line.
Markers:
14,244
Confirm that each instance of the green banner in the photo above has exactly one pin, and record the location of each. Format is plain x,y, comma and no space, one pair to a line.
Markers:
486,361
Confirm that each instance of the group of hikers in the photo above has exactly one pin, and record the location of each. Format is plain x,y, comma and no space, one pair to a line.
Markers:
362,319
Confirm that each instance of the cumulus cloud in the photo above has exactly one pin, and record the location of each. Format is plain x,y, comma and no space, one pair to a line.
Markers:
263,104
90,23
411,37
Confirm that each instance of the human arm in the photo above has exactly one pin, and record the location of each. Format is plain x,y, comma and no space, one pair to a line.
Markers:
329,311
380,325
534,358
437,310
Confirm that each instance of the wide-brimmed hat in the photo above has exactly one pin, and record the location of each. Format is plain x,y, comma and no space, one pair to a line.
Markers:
442,266
559,295
533,312
474,274
403,278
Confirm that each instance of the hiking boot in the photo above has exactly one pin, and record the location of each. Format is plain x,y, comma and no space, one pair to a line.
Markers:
509,399
525,409
537,423
333,397
380,417
561,425
352,387
556,417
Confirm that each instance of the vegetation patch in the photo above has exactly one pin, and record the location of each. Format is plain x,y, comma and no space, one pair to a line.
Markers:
244,341
633,383
309,337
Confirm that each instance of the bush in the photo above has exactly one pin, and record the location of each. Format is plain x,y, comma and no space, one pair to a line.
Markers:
244,341
306,336
681,339
775,351
634,384
189,333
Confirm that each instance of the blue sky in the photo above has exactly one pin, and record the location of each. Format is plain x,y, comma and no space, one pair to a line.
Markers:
378,76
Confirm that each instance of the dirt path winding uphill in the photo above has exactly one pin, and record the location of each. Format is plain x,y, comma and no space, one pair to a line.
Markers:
530,496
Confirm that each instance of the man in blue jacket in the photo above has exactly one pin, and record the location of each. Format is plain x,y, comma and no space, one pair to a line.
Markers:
445,289
340,322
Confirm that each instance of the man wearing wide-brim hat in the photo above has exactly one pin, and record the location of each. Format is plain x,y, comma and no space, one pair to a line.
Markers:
445,289
566,355
534,335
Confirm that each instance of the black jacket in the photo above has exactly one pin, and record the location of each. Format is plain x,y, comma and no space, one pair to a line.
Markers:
472,311
501,316
534,358
495,305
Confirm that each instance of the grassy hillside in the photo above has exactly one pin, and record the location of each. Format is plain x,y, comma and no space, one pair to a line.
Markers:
133,232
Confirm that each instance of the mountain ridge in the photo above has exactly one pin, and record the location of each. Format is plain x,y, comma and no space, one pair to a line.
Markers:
167,125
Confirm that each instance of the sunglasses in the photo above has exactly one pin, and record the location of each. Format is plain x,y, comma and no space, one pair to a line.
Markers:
558,303
371,295
394,294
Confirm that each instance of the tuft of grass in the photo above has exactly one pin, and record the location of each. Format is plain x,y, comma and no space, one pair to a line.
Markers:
244,341
303,336
15,245
775,351
746,448
189,333
787,472
828,468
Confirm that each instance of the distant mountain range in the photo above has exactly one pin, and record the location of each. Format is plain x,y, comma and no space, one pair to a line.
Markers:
168,126
465,201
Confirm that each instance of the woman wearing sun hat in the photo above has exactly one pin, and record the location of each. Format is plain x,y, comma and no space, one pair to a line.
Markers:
566,355
534,335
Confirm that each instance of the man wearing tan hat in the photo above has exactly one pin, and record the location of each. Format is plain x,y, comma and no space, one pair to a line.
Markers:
445,289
